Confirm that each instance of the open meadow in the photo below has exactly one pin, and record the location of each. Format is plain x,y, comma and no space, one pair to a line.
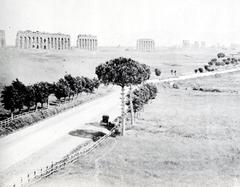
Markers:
184,137
31,66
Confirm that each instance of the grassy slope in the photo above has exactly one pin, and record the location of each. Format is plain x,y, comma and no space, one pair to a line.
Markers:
32,66
183,138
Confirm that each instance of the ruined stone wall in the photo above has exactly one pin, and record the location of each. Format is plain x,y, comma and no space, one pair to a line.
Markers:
145,45
41,40
2,39
87,42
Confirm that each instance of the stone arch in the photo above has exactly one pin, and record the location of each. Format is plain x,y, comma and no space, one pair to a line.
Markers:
25,42
41,42
65,43
55,43
62,43
21,41
58,46
29,42
52,42
69,44
48,43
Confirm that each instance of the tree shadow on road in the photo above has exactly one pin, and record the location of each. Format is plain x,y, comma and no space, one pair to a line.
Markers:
86,133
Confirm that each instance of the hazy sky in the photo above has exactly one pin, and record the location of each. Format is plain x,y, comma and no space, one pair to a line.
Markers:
123,21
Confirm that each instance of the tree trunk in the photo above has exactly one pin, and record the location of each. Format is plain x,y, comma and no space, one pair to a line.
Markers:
12,115
47,102
131,105
123,111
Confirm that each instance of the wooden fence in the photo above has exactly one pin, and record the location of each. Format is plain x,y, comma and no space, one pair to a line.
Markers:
8,120
5,123
38,175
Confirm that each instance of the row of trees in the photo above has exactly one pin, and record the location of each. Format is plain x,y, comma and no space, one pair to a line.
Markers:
221,60
123,72
141,96
17,95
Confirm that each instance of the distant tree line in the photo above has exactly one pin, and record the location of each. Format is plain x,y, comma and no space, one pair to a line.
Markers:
221,60
17,95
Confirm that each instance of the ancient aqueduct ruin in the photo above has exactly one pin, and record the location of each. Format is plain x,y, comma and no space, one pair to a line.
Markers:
42,40
145,45
57,41
2,39
88,42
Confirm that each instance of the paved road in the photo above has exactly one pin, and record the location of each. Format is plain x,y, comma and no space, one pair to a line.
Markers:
35,147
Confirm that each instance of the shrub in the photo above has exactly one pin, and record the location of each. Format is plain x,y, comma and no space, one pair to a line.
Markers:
210,63
200,70
220,55
175,86
157,72
213,60
141,96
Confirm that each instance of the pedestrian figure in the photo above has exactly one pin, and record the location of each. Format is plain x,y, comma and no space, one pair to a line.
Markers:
171,71
175,72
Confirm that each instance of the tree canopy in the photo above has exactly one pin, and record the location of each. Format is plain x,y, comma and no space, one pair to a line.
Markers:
123,72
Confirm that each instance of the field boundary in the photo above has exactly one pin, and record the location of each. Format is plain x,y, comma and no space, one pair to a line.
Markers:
40,174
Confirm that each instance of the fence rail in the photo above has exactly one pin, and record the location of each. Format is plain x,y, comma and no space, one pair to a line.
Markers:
38,175
4,123
8,120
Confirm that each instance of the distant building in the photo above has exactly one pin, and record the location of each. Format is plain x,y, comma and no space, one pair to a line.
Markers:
145,45
87,42
196,45
203,44
234,46
186,44
42,40
2,39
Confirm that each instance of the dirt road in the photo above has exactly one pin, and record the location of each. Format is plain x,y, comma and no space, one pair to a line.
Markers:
37,146
193,76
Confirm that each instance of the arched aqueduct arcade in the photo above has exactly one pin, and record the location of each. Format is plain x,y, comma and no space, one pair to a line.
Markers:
145,45
87,42
41,40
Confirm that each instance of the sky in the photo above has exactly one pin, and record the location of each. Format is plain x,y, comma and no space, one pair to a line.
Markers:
122,22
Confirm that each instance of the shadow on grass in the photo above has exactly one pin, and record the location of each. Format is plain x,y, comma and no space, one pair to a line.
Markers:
91,134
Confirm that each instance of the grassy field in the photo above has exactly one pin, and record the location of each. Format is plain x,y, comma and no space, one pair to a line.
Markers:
31,66
183,138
